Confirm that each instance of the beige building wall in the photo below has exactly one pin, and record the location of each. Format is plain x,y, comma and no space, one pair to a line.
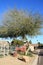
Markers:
31,47
4,48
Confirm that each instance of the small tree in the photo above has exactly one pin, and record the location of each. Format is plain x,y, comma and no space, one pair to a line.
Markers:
39,44
20,23
30,42
17,43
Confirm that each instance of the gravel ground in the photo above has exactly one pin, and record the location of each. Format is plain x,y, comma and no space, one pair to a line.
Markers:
9,60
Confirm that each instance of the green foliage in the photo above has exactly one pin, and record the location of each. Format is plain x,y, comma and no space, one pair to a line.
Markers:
17,43
1,56
30,54
30,42
40,44
19,23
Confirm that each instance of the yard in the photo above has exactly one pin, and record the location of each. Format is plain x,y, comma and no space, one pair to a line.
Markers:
9,60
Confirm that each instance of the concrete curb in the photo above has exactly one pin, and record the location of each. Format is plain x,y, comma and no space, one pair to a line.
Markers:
35,61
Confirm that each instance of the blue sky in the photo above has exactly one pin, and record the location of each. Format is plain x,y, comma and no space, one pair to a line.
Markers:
31,5
34,5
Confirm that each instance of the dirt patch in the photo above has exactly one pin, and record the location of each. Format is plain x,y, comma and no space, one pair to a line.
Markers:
9,60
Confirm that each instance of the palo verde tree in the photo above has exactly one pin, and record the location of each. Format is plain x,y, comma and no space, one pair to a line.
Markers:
19,23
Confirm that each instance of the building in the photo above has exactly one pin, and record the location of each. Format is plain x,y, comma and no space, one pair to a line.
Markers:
33,46
4,48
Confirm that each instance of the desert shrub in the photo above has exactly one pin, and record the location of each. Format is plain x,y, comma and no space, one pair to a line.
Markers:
1,56
17,43
29,54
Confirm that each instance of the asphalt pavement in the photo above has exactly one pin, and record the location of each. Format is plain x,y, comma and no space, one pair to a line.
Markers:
40,57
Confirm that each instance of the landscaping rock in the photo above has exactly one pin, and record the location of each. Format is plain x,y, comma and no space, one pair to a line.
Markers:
15,54
26,58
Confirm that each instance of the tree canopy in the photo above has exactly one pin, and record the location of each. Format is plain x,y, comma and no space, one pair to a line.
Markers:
20,23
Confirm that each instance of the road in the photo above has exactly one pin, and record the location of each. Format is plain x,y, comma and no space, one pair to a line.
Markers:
40,58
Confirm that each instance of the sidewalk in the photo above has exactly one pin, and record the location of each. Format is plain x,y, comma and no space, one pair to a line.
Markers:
35,61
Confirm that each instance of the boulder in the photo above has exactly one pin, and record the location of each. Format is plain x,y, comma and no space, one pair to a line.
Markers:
26,58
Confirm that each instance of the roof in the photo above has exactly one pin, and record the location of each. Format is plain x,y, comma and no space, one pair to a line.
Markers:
27,43
4,43
33,44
